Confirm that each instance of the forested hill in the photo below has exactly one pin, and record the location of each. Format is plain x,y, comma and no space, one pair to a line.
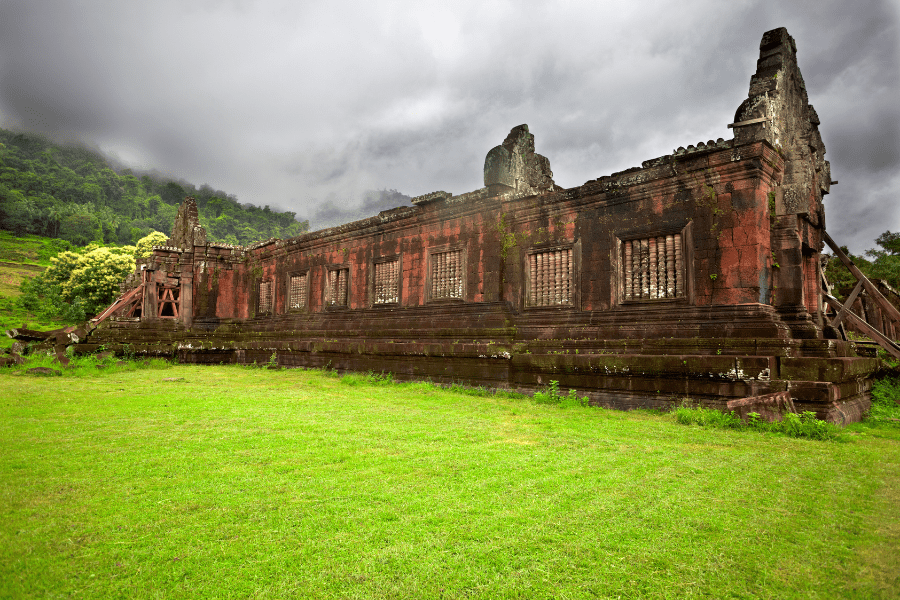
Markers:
75,194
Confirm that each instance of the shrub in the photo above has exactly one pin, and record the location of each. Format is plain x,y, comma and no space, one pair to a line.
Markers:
885,395
354,379
551,395
77,285
707,417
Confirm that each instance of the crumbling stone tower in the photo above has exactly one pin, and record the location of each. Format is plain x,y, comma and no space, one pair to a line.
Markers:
778,111
186,230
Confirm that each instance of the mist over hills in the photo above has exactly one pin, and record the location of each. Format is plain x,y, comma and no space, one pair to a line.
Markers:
76,193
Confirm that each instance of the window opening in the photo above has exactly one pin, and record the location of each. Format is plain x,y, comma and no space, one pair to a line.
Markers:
447,275
551,278
336,287
265,297
297,292
653,267
168,301
387,282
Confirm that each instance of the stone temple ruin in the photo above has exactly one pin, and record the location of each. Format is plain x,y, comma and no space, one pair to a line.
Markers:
694,275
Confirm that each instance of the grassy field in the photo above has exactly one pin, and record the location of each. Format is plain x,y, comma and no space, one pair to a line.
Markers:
29,249
151,481
22,257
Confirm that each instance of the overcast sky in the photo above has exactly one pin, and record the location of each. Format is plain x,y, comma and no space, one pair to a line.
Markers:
301,105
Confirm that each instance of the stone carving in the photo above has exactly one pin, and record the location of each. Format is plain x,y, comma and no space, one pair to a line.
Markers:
513,166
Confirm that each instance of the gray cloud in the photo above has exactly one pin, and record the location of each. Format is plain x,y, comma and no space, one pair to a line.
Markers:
303,106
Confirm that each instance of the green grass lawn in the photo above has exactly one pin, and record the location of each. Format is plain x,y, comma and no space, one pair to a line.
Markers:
219,482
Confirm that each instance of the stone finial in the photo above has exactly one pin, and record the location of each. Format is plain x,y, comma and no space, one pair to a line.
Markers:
513,166
187,231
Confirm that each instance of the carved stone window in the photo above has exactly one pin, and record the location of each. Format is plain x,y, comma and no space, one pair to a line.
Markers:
387,282
336,286
447,275
550,278
653,267
297,291
265,297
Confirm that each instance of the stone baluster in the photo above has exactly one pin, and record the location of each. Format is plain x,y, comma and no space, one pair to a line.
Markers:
679,266
645,268
554,295
532,268
626,251
636,269
661,266
670,266
539,294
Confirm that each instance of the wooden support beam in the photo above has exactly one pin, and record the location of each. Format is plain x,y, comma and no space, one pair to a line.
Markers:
876,295
876,335
826,289
850,300
123,299
748,122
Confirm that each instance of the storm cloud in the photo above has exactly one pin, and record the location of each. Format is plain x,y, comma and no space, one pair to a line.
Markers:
305,105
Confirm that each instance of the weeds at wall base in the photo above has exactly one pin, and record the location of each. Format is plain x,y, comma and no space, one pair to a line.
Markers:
803,425
551,395
885,408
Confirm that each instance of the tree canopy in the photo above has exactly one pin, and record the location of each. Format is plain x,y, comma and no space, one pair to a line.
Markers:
878,263
78,284
144,246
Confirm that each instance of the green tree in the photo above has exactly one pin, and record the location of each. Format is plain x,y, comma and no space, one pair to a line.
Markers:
61,267
172,193
96,276
42,295
886,261
144,246
80,229
883,263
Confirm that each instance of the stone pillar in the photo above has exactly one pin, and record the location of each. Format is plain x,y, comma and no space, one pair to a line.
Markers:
186,294
789,282
150,309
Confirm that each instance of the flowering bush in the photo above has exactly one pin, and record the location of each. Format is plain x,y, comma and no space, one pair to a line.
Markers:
78,285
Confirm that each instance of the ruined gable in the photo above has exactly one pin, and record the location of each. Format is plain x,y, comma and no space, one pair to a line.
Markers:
513,166
777,110
186,230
